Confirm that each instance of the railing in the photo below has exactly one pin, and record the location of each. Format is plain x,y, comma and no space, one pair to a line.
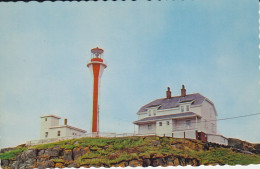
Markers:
50,140
175,129
188,133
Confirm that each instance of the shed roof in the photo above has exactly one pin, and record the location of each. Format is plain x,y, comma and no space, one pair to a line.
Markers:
169,116
51,115
71,127
173,102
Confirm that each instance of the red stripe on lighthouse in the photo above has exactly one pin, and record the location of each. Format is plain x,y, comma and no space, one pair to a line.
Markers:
96,69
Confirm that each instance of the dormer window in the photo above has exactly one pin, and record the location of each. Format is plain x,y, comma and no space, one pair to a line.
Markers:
182,108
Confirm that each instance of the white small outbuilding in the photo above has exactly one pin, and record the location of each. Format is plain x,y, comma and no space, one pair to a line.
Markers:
50,128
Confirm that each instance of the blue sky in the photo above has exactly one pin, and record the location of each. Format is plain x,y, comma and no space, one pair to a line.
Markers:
210,46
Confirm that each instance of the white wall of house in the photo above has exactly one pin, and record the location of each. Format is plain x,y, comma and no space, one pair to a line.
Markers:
164,127
187,134
196,109
208,125
62,131
46,123
53,133
190,134
185,124
146,129
142,115
167,111
50,128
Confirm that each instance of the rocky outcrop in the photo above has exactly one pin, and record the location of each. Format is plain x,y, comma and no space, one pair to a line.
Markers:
60,158
57,157
243,146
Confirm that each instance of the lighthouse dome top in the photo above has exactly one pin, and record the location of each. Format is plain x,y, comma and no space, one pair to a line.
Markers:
97,52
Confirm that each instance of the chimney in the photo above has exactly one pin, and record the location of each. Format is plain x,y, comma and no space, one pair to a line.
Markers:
183,91
168,93
65,121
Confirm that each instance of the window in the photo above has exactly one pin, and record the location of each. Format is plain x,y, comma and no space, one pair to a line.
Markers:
46,134
154,112
58,133
187,108
182,108
149,126
188,123
45,119
149,113
160,123
168,123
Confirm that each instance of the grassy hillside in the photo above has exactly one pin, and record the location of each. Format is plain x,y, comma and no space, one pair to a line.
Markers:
111,151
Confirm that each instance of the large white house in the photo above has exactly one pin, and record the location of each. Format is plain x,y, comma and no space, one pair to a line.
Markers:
50,128
185,116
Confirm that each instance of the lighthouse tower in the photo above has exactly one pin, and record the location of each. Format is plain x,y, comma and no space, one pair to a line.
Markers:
96,66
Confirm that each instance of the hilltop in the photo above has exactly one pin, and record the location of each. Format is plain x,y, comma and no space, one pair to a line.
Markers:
128,151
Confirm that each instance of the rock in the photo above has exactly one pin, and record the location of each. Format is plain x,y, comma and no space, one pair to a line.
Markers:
43,158
181,161
41,152
176,161
68,155
5,163
53,152
256,151
15,165
257,146
135,163
28,154
27,164
59,165
146,162
158,162
168,161
73,165
26,159
195,162
122,164
77,152
45,164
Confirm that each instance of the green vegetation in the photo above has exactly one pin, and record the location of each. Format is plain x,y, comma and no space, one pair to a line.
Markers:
227,156
56,160
111,151
11,154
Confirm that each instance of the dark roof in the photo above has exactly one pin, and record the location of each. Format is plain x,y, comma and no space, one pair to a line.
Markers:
174,101
170,116
51,115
